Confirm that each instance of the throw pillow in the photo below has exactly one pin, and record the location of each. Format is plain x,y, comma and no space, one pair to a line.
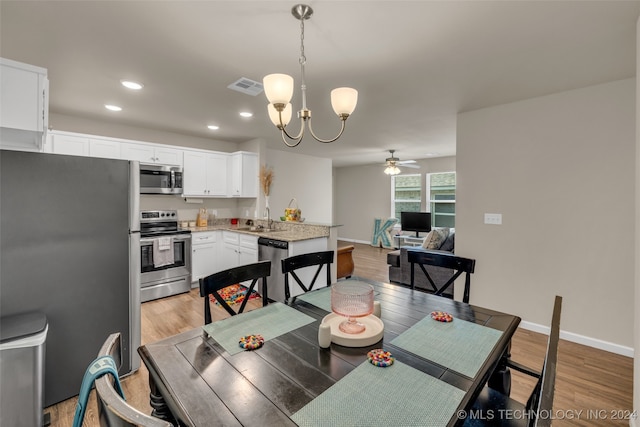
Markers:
449,243
435,238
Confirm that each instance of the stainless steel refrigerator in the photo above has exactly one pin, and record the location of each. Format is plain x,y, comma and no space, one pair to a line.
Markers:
70,248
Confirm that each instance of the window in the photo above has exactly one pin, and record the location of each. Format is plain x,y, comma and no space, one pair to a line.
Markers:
406,194
441,189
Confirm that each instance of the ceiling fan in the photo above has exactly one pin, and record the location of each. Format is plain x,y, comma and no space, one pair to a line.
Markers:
392,164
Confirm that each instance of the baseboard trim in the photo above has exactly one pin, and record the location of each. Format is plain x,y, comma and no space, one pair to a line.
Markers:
364,242
581,339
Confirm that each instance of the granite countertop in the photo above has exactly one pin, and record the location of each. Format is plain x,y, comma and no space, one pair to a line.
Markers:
282,230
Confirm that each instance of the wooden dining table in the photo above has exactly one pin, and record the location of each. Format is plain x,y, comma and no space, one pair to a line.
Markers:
196,381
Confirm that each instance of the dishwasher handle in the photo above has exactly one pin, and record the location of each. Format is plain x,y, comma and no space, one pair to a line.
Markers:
278,244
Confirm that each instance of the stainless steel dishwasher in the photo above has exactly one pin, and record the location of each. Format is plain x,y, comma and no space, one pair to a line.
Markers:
274,251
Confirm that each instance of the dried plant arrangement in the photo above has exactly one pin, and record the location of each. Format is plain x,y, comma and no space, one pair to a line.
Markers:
266,178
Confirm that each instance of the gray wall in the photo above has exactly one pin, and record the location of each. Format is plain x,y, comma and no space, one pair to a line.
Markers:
636,366
560,169
362,193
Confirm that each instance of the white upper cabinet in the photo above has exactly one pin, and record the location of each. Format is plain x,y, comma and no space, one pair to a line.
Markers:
205,174
69,144
243,175
82,145
24,105
104,148
149,153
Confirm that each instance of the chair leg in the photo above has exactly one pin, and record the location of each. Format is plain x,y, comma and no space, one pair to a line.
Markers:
413,272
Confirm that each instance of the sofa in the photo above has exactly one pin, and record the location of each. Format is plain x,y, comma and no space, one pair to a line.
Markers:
400,268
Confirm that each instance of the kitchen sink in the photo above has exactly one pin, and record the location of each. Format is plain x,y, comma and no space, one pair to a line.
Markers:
256,229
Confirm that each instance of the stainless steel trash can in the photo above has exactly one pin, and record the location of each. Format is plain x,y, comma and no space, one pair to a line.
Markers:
22,347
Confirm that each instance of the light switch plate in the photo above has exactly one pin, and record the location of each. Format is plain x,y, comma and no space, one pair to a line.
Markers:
493,219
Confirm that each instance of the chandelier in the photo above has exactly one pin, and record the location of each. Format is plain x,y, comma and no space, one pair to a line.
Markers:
279,89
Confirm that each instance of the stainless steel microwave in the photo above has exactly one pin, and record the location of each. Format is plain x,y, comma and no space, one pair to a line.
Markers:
160,179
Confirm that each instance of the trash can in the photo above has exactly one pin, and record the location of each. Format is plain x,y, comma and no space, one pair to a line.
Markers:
22,347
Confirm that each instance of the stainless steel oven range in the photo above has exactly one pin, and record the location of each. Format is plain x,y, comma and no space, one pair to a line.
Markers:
165,255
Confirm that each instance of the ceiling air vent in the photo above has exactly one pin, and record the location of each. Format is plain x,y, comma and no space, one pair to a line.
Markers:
247,86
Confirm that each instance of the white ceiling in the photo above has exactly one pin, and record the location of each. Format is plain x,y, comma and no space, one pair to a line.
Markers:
416,64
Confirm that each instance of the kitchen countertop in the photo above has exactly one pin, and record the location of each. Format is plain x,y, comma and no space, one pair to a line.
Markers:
288,232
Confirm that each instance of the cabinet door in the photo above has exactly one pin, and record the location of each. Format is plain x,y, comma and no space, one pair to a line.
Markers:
194,174
70,145
203,259
229,256
168,156
217,175
248,256
104,148
248,249
139,152
243,175
24,94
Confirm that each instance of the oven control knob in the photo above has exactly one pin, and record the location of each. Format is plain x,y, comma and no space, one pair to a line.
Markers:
162,214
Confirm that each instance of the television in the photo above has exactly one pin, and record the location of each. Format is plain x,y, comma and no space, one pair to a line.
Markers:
415,221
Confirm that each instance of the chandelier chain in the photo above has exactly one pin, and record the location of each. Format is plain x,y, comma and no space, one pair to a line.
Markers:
303,58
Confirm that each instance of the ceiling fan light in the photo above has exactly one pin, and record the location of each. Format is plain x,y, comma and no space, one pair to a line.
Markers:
275,118
278,88
344,100
392,170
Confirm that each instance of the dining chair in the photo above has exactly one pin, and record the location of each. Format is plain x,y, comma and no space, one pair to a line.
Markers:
211,284
446,260
113,410
291,264
496,405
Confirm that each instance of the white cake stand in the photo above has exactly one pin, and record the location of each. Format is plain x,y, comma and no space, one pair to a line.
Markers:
372,334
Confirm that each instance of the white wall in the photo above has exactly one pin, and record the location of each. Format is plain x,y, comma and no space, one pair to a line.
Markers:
306,178
362,193
560,169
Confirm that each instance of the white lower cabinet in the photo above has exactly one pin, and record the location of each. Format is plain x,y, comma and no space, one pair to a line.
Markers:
238,249
204,255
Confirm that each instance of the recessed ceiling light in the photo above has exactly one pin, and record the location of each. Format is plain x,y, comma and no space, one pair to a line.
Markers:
246,114
112,107
213,127
131,85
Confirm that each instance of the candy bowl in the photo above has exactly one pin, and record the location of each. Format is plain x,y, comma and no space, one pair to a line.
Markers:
353,300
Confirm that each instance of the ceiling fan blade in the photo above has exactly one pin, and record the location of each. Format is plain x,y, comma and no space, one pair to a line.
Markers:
404,162
409,166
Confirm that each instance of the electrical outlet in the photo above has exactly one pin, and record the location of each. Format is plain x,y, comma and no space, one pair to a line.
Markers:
493,219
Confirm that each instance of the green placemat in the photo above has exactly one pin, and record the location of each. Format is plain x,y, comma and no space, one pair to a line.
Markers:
459,345
395,396
321,298
271,321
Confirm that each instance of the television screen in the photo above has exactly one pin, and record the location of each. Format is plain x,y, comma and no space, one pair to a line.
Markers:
415,221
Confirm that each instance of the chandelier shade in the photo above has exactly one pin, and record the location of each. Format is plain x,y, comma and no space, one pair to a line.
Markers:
278,118
344,100
278,89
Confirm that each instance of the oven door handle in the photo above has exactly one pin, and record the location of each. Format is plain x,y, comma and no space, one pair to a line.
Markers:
181,237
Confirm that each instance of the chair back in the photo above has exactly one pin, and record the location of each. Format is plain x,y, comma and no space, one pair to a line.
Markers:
541,399
211,284
113,410
291,264
446,260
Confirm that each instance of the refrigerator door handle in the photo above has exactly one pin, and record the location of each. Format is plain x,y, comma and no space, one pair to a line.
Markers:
134,196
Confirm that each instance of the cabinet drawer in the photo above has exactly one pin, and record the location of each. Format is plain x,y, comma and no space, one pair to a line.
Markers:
204,237
231,237
247,241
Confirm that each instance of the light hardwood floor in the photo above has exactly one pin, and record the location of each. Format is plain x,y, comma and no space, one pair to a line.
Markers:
595,382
